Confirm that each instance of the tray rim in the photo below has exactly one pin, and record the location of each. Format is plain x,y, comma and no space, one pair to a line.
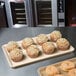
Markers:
13,66
34,38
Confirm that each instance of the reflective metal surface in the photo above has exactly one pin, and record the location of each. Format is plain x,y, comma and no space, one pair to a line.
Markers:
18,34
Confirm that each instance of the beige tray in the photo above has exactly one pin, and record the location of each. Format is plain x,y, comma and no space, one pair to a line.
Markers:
41,70
28,60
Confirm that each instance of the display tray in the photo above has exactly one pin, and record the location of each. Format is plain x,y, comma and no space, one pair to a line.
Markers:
28,60
42,72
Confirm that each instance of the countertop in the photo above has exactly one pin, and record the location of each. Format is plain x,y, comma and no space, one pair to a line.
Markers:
7,34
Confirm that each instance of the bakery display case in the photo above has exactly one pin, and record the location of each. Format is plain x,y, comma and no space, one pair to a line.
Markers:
9,34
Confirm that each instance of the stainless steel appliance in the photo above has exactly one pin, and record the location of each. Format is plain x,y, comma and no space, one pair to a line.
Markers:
41,13
61,12
66,12
47,12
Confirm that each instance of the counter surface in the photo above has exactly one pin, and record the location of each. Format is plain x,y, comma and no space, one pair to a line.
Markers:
7,34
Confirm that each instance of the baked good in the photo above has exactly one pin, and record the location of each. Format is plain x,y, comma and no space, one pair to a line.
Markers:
33,51
42,38
11,45
58,75
72,72
16,55
48,47
67,65
55,35
63,44
51,70
27,42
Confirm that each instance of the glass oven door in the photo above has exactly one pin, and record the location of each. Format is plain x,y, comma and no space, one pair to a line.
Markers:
16,13
46,12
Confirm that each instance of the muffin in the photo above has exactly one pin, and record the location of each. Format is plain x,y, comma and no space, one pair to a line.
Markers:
59,75
55,35
48,47
16,55
51,71
72,72
42,38
11,45
63,44
33,51
27,42
67,65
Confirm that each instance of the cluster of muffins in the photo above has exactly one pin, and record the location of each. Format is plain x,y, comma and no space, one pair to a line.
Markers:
49,45
66,68
14,51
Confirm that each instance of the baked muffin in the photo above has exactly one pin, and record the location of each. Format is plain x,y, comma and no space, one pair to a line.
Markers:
42,38
16,55
72,72
67,65
27,42
51,71
48,47
59,75
33,51
63,44
55,35
11,45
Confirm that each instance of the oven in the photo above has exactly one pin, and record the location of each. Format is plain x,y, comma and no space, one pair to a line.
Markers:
42,12
46,12
38,13
50,13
